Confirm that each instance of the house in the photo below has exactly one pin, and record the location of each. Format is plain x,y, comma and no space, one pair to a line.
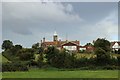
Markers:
82,48
115,45
87,48
69,45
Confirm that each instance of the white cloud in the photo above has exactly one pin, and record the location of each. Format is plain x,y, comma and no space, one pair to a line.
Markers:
55,12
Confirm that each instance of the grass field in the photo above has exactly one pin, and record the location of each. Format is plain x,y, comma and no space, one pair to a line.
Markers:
37,73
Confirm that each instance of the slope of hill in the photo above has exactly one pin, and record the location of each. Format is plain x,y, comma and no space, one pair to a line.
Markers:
3,59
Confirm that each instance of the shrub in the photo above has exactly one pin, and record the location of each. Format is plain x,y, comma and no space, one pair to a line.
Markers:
113,61
26,54
15,66
103,58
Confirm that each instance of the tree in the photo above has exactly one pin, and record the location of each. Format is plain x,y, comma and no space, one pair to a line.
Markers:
35,46
51,53
26,54
102,50
18,47
41,50
37,49
7,44
60,59
118,60
15,49
103,58
89,44
103,44
41,54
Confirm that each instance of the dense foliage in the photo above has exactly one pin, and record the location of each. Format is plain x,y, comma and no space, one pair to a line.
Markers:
103,44
7,44
102,50
15,66
52,57
26,54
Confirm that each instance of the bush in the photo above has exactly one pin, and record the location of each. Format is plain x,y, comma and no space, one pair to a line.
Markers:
113,61
7,54
33,63
103,58
26,54
15,66
108,67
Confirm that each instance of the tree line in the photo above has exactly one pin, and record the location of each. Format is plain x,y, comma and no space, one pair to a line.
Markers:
66,59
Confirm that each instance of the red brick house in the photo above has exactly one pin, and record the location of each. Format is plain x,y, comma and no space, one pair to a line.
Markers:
69,45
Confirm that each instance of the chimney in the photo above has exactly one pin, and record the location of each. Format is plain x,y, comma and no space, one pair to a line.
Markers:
40,44
44,39
41,41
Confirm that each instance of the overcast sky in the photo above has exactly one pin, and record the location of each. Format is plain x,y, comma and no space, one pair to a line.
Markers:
27,23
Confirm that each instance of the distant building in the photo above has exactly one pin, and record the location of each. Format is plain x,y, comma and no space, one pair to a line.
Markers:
87,48
72,45
69,45
115,45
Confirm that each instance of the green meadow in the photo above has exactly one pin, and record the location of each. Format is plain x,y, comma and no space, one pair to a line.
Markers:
39,73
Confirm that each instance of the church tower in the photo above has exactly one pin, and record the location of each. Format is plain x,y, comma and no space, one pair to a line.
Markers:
55,36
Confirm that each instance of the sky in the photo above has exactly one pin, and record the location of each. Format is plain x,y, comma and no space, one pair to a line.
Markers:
27,23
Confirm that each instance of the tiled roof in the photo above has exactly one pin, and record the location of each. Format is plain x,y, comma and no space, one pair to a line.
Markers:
112,43
70,42
58,43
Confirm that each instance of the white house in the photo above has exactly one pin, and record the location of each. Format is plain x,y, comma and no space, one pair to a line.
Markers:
115,45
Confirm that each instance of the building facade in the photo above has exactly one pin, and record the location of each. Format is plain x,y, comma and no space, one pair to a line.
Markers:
73,45
69,45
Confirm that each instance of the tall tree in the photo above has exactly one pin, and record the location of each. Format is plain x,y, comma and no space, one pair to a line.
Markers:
103,44
103,58
51,53
7,44
102,50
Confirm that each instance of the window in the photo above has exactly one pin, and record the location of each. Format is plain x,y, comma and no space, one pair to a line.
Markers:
70,47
